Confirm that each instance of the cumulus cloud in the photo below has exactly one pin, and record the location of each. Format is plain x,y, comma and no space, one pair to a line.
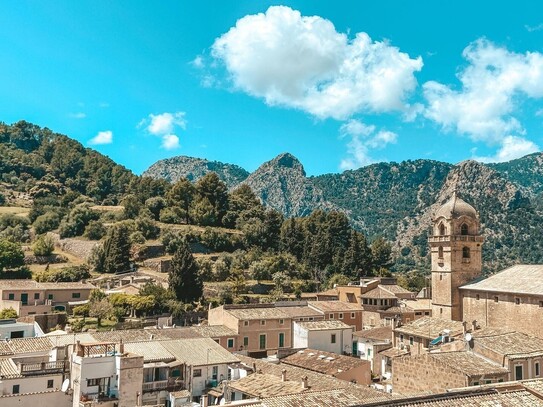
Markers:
78,115
362,139
492,84
512,147
303,62
163,125
170,142
103,137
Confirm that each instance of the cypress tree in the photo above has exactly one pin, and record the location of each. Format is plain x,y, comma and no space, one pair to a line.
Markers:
184,280
117,250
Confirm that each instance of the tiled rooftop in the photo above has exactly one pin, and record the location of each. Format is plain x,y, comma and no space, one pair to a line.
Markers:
513,344
379,334
519,279
265,385
151,351
213,331
329,398
249,313
430,328
422,304
334,306
8,369
324,325
316,381
299,312
199,351
468,363
380,292
323,362
34,285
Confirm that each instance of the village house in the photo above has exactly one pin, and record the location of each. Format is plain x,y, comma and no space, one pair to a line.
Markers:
29,297
439,371
419,336
342,367
369,342
330,336
349,313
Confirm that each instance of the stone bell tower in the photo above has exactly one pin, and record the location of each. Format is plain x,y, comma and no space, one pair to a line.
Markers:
456,255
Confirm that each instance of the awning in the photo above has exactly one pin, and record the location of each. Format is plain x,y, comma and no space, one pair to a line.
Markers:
436,341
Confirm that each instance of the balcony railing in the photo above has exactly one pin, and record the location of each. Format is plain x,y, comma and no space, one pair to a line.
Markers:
455,238
171,383
43,367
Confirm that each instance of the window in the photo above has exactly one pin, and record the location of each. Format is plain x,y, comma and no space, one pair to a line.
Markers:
411,340
245,323
230,343
281,339
15,389
352,315
197,373
401,338
518,372
465,253
464,230
440,252
331,316
488,381
176,373
440,277
496,298
333,338
537,369
426,312
50,384
36,296
340,315
262,322
442,229
245,341
262,341
76,295
517,300
540,304
500,380
478,297
441,310
476,383
93,382
11,296
369,352
50,296
281,321
215,372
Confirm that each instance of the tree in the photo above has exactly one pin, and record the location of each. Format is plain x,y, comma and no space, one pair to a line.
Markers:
46,222
381,252
100,309
8,313
155,205
131,206
181,195
184,279
43,246
357,260
11,255
116,256
95,230
213,190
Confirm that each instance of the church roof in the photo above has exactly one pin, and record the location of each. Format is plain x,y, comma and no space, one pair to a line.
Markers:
455,207
519,279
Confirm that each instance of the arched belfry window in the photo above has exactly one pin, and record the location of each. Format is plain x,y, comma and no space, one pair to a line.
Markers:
464,230
440,252
442,229
465,253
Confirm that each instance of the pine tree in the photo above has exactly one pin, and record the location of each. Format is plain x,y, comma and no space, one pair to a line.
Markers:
357,261
184,279
117,250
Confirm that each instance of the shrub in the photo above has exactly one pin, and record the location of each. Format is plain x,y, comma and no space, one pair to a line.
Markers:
43,246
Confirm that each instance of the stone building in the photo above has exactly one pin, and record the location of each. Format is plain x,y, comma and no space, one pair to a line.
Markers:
456,255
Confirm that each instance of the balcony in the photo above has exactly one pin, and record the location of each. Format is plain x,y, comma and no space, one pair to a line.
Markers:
169,384
43,368
455,238
93,399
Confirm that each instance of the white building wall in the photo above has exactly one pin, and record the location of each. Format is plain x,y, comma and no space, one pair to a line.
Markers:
30,384
199,383
56,399
322,340
300,339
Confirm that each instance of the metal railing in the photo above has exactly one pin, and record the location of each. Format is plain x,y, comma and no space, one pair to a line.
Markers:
43,367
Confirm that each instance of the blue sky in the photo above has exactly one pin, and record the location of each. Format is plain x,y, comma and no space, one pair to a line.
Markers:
338,84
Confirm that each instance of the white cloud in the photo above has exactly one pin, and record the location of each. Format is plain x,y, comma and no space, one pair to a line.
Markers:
363,138
103,137
198,62
78,115
303,62
492,84
170,142
532,28
512,147
163,125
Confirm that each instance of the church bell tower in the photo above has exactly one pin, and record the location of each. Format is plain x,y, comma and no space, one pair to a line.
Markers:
456,255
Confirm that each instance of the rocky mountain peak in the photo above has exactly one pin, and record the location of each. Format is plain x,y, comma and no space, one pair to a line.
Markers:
288,161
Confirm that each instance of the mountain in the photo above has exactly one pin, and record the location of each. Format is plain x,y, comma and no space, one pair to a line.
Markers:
282,184
172,169
527,172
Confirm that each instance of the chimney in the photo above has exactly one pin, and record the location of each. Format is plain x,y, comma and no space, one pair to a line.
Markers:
254,367
465,327
121,347
284,375
474,325
304,383
204,400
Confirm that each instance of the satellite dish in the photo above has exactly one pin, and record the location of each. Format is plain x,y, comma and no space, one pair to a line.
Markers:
65,385
468,337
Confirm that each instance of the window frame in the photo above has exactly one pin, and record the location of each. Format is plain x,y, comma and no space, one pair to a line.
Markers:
333,338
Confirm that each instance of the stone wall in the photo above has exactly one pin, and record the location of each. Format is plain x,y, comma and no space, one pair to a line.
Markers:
47,322
418,374
160,265
77,248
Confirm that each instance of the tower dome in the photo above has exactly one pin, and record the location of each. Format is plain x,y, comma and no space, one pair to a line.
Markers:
455,207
